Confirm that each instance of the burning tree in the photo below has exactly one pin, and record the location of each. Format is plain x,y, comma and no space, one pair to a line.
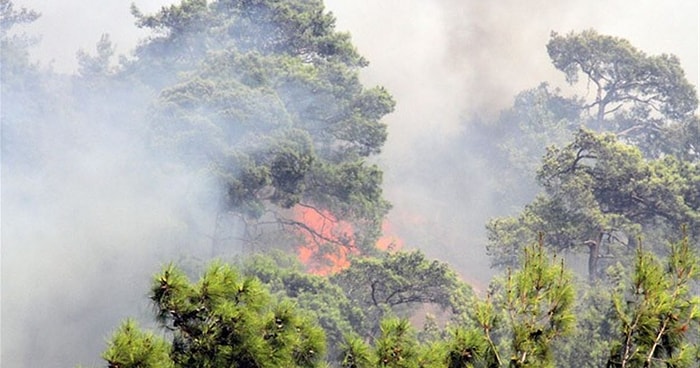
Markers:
328,243
267,94
318,230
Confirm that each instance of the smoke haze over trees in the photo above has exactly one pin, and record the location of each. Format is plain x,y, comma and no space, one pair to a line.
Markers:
89,211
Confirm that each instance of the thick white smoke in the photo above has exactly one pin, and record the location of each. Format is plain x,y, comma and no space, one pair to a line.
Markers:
450,62
83,230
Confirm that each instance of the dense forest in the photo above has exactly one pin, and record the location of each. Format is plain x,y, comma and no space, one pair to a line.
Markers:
259,105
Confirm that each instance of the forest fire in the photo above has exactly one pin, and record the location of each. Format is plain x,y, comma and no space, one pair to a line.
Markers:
389,241
329,243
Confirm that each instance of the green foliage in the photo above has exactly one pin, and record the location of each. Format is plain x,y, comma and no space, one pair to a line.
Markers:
355,301
224,320
316,295
355,353
268,94
132,348
637,96
467,348
523,319
658,311
489,322
589,344
601,194
623,73
396,346
539,117
646,101
526,320
400,280
538,303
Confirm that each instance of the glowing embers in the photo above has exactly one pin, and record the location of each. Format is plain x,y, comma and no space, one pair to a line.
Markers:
329,243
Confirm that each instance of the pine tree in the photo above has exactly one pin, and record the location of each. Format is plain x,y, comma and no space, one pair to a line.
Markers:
132,348
223,320
658,312
355,353
538,302
397,346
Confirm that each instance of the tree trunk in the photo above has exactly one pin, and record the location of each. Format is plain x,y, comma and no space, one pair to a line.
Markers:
593,255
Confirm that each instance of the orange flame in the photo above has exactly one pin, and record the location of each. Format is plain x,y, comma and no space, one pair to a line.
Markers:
389,241
329,243
319,228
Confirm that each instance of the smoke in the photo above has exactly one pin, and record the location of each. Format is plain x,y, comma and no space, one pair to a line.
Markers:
60,38
88,214
451,62
86,221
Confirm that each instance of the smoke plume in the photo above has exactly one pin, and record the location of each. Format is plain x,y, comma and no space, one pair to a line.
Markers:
88,214
449,63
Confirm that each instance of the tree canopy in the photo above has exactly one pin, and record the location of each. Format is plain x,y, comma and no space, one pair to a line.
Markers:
222,320
14,54
601,194
641,98
286,123
656,311
264,96
268,93
529,318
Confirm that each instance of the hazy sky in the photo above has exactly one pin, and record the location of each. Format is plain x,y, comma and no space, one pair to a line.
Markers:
471,55
439,58
444,61
382,28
